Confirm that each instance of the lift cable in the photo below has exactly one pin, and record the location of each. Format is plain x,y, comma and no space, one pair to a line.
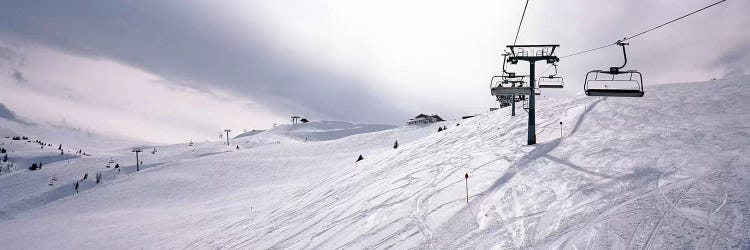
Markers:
644,32
519,24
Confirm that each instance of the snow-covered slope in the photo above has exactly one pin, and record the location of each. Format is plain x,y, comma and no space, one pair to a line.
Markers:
669,170
71,137
248,133
312,131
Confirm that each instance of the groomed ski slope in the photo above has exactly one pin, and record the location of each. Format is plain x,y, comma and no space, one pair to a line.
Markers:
670,170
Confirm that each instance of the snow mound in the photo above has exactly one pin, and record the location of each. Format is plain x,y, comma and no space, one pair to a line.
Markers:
313,131
248,133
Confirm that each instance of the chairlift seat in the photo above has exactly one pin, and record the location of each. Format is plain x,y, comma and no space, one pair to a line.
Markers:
511,91
500,91
615,81
552,81
550,86
622,83
615,92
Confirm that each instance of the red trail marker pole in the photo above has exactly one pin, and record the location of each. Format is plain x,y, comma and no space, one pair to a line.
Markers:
466,176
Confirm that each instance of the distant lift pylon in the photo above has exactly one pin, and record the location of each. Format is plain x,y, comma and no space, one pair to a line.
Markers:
614,82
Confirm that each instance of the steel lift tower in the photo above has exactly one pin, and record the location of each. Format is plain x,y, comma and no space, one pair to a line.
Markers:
532,54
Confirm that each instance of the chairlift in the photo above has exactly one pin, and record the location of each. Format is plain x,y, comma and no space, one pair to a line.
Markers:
508,84
551,81
510,87
615,81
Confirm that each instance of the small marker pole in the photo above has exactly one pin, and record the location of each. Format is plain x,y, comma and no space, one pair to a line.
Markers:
466,176
561,132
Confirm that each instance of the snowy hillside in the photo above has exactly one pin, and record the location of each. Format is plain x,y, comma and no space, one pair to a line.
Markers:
64,134
669,170
313,131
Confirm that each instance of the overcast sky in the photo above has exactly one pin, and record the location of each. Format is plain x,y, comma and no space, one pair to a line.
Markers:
170,71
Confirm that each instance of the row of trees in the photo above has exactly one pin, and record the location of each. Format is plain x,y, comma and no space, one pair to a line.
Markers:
35,166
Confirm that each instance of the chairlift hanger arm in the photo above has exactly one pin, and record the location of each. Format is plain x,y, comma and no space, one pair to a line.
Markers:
624,56
553,75
505,58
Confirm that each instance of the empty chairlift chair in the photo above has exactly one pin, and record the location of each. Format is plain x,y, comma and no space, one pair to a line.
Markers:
509,84
551,81
615,81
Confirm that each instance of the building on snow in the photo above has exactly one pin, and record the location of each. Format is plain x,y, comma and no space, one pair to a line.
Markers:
424,119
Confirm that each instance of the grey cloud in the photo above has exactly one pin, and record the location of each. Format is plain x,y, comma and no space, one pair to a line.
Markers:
735,62
11,116
9,58
18,76
184,45
7,54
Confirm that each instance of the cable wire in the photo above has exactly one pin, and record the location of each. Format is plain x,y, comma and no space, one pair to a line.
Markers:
673,20
644,32
519,24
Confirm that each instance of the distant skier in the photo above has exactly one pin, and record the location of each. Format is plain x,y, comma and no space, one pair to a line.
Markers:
238,147
76,187
395,145
360,158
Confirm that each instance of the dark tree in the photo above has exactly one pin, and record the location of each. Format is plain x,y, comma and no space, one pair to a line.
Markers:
440,129
395,145
85,176
360,158
117,165
33,167
59,147
76,187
